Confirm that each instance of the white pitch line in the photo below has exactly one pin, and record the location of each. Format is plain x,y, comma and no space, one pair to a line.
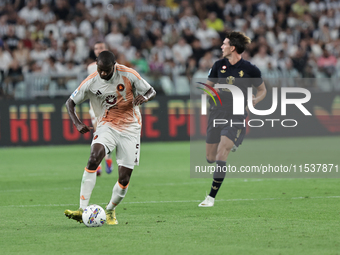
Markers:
234,180
36,190
152,184
179,201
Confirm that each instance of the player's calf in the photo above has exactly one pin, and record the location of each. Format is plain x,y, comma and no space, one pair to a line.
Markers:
118,193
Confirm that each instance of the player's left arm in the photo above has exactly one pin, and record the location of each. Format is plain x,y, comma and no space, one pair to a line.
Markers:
258,83
149,95
144,90
260,94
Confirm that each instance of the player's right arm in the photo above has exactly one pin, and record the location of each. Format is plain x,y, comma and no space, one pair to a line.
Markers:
212,76
81,127
77,97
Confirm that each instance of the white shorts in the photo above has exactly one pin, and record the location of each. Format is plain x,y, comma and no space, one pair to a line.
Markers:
127,147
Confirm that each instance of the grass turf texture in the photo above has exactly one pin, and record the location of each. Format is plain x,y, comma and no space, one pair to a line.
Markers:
250,216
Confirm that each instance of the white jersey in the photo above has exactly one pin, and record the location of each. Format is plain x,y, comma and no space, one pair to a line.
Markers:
112,100
91,68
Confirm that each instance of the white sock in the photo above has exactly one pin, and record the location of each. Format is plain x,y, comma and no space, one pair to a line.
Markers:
87,184
118,193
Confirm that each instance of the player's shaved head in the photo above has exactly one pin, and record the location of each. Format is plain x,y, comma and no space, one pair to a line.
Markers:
106,58
105,64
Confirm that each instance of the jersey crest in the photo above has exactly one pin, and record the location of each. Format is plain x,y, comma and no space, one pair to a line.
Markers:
120,87
230,80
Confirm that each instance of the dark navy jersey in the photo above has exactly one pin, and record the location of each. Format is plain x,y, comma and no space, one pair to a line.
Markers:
243,75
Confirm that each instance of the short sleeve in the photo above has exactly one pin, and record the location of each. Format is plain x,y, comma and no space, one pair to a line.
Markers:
255,74
212,73
141,86
81,93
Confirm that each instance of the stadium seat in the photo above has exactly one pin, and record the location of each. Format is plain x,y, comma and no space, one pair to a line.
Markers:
182,85
167,85
71,85
20,90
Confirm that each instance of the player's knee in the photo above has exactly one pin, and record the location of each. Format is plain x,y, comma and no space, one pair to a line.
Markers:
124,180
124,175
226,148
94,161
223,154
211,159
96,156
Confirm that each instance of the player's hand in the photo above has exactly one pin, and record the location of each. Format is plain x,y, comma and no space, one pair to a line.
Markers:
254,100
217,90
139,100
82,128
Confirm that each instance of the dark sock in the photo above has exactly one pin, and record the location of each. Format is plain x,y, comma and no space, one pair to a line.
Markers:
210,162
218,178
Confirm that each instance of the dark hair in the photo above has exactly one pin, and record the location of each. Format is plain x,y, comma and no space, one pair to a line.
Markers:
52,59
99,42
107,58
238,40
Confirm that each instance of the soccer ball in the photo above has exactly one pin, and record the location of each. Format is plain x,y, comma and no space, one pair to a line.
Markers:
94,216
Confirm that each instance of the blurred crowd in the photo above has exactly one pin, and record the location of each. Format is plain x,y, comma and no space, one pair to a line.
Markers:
290,38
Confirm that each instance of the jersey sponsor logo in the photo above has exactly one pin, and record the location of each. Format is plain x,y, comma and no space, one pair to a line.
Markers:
111,100
241,73
120,87
224,67
98,93
75,93
95,137
223,71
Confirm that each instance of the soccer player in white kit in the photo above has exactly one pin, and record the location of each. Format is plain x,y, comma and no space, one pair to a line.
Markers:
115,92
98,48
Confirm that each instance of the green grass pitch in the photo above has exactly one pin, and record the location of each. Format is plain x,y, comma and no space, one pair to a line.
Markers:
160,215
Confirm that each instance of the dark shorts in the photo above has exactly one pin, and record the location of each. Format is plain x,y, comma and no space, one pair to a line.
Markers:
234,129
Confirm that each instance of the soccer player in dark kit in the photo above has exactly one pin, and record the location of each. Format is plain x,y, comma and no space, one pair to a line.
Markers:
222,139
